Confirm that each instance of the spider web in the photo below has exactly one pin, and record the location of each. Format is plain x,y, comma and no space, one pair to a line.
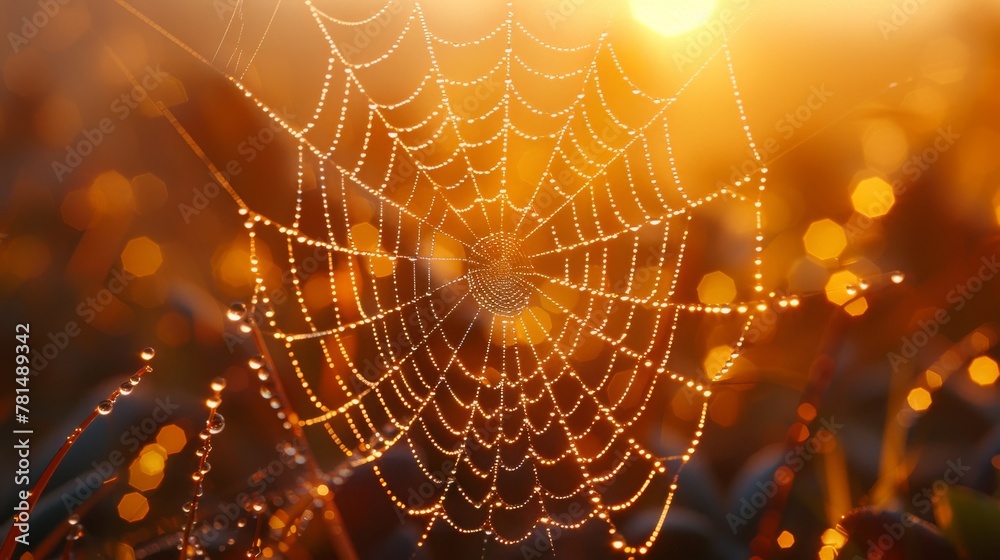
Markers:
493,247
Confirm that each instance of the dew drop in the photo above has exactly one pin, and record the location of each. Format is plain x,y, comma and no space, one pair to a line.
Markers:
186,507
125,388
236,311
216,424
73,519
135,379
618,542
256,362
147,354
218,384
267,308
104,408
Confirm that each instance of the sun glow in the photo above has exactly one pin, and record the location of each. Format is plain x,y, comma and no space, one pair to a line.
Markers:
672,17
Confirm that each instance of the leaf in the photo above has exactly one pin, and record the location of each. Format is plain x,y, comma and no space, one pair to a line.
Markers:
970,520
891,535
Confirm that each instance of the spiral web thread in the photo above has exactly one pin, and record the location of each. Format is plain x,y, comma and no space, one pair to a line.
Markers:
512,331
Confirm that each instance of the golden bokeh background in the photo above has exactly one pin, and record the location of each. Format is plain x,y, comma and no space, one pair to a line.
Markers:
877,120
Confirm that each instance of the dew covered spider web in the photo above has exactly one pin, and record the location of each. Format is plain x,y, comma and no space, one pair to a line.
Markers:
494,241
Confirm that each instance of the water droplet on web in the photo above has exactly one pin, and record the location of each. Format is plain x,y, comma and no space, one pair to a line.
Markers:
236,311
73,519
104,408
147,354
256,362
218,384
266,308
216,424
125,388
